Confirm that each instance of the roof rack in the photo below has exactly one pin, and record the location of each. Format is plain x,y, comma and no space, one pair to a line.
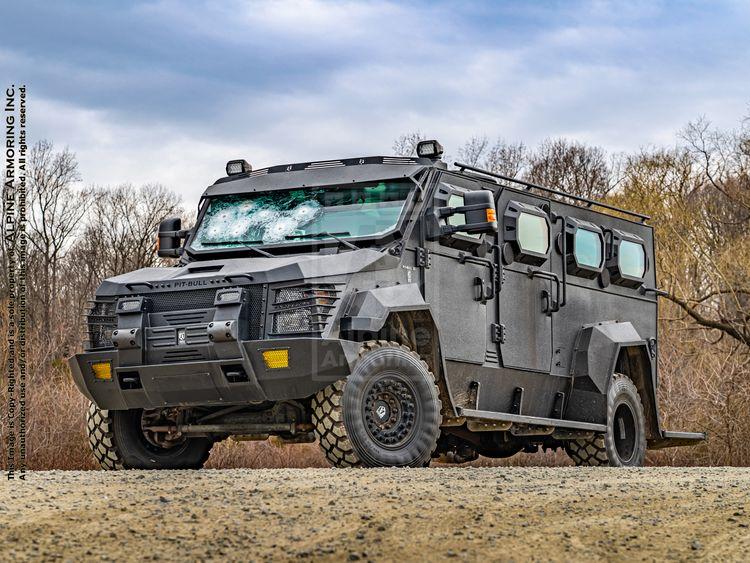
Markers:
530,185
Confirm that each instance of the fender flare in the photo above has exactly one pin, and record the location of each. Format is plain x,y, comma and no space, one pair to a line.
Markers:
598,349
369,309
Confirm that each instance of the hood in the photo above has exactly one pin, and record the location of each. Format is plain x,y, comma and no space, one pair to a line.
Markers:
239,271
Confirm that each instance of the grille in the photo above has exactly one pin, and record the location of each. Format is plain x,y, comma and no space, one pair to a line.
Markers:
183,355
182,300
101,321
172,308
183,308
255,312
184,318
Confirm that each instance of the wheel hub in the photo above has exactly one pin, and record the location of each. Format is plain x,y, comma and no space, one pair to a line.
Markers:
390,412
156,417
624,430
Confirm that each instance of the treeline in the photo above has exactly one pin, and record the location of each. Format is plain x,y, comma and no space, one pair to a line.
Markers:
697,192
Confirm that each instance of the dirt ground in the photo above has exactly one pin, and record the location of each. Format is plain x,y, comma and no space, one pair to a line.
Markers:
509,513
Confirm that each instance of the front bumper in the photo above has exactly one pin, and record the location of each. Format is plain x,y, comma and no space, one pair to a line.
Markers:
314,363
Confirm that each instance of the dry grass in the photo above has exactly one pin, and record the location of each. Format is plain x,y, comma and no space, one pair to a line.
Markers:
261,455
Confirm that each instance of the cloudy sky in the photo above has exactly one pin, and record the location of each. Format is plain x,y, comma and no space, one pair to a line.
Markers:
169,91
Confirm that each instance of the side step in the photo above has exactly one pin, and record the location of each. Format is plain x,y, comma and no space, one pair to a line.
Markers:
534,420
672,439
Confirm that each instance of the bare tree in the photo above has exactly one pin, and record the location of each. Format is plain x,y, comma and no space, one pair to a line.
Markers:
56,210
570,166
120,234
406,144
473,151
703,232
508,159
502,157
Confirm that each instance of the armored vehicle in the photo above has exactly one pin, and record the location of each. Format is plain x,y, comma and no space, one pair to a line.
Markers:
394,309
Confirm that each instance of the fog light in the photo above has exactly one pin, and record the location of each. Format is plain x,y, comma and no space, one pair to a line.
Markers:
276,359
102,370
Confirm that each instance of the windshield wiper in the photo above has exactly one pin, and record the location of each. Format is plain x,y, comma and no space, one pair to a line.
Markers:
245,245
334,236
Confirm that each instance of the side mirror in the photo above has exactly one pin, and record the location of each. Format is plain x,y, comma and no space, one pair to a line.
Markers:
479,211
170,238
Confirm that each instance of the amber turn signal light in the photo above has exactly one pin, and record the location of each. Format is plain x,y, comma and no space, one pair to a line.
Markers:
102,370
276,359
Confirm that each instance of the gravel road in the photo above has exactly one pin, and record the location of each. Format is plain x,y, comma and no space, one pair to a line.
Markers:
384,514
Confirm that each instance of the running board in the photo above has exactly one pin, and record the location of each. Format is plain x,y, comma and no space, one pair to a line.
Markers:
672,439
535,420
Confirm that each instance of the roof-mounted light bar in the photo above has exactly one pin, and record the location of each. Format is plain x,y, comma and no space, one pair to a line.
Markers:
239,166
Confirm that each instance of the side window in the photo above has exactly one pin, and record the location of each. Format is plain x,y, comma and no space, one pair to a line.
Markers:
526,230
533,233
631,260
588,248
627,260
585,248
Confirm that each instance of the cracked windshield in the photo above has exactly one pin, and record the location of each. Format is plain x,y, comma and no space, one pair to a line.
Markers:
302,214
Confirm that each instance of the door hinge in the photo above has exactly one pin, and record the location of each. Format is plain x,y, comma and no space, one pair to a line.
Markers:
424,260
498,333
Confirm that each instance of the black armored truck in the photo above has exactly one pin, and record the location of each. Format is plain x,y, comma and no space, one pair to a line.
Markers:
393,308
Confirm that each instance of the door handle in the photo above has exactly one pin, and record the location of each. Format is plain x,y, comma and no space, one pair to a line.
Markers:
550,305
482,291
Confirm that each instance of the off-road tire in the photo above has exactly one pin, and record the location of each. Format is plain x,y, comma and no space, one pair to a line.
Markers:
116,444
337,413
601,450
99,430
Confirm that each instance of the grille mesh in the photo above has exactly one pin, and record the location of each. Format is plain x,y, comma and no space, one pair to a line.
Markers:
303,308
101,321
182,300
255,311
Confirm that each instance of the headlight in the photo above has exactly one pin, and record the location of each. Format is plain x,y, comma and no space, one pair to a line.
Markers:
303,309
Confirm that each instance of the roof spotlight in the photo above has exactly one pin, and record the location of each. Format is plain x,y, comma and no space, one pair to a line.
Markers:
429,149
239,166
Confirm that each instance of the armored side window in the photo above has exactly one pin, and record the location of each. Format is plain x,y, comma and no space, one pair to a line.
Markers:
631,259
627,261
585,247
588,248
526,231
533,233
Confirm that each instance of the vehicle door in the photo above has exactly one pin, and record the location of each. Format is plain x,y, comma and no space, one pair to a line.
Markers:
458,282
529,292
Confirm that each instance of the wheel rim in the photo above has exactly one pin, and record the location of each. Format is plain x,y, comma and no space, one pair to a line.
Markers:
390,411
625,435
